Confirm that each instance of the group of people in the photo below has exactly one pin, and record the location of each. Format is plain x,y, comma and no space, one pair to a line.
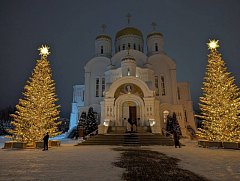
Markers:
133,123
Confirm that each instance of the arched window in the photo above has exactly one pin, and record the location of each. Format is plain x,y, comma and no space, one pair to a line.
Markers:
156,47
101,49
128,72
134,46
103,86
163,90
178,93
156,85
129,45
97,87
123,47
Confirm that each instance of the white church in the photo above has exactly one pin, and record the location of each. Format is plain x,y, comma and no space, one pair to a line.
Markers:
132,84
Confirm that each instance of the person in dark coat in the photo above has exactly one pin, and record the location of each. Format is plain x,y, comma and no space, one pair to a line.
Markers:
45,142
176,138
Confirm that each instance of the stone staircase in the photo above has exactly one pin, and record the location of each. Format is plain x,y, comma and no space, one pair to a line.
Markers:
129,139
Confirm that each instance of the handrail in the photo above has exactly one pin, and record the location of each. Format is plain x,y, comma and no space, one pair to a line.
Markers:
166,132
92,133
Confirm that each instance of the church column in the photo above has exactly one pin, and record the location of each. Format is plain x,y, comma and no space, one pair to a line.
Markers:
87,88
109,110
102,112
151,112
74,116
174,86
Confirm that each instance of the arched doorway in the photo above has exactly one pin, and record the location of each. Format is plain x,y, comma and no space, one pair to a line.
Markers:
129,106
130,112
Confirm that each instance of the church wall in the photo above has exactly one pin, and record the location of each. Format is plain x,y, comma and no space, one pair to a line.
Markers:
165,67
185,100
78,94
94,70
146,75
140,58
183,91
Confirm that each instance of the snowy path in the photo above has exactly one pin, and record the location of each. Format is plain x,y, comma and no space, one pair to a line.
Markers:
67,162
214,164
94,163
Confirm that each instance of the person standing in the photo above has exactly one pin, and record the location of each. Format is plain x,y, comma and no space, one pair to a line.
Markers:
45,142
176,138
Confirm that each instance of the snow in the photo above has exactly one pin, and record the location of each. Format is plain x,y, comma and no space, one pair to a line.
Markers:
215,164
3,139
69,162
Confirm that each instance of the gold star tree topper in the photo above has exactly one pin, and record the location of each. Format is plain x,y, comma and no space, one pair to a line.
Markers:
213,44
44,51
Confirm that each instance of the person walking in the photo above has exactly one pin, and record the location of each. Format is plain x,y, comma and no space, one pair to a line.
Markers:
45,142
176,138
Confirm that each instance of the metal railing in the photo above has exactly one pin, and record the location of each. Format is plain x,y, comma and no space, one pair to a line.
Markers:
91,134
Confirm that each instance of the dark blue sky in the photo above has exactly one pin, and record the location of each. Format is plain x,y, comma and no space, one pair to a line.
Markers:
70,28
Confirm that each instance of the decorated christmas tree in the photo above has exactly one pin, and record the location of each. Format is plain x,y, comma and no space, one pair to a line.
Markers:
82,122
91,123
37,112
220,103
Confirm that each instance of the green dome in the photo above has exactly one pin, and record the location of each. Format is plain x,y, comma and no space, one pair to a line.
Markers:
129,31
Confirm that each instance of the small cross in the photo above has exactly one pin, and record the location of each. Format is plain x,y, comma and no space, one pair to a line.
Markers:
103,28
129,17
154,26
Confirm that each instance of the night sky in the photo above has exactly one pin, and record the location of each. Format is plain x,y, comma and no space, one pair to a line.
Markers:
70,28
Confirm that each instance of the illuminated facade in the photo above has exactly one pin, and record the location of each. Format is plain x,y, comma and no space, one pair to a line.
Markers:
131,84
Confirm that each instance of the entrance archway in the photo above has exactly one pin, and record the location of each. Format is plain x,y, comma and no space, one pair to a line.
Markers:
130,112
129,106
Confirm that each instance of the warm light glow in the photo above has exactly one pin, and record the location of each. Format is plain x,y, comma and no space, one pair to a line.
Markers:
37,112
213,44
44,51
152,122
106,122
220,102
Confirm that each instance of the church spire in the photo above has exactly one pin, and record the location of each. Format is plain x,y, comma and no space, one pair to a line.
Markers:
103,26
129,17
154,26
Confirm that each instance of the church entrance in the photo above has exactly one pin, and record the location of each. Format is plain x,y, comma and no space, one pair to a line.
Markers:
129,107
130,114
133,113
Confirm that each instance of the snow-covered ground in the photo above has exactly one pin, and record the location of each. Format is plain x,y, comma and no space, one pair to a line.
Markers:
215,164
2,141
61,137
69,162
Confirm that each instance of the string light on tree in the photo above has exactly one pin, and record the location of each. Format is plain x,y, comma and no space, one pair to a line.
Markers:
37,112
220,103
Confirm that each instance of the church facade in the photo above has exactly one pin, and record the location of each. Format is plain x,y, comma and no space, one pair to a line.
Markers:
132,85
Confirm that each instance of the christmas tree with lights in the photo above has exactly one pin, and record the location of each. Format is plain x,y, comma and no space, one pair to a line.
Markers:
36,114
91,122
220,103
